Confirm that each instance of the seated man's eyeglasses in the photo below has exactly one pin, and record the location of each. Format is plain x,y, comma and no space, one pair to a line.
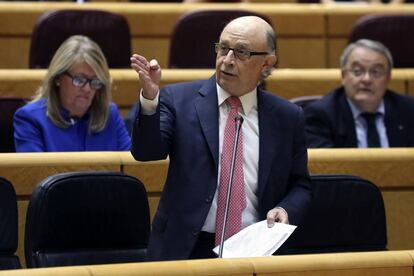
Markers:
375,73
241,54
80,81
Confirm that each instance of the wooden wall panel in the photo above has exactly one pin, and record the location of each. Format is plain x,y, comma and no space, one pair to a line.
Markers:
399,206
157,48
14,52
312,53
335,48
410,88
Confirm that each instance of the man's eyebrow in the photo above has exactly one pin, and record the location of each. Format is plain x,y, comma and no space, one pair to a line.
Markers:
356,63
379,65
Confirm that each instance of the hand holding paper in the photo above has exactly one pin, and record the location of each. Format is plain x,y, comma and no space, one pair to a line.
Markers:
257,240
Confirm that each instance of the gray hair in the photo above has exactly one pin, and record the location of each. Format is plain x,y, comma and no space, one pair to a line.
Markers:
272,45
368,44
75,49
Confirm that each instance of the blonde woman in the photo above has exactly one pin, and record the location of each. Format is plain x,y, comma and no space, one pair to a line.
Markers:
72,110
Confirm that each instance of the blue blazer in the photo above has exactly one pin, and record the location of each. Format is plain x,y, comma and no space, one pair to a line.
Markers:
35,132
185,128
330,123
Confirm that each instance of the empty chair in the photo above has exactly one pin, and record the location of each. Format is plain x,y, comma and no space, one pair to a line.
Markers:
347,215
8,226
303,101
394,31
194,35
110,31
8,105
82,218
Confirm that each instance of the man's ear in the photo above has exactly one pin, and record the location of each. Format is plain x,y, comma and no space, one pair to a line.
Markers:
343,72
270,62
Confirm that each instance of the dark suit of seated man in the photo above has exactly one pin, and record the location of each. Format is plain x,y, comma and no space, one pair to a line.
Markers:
362,112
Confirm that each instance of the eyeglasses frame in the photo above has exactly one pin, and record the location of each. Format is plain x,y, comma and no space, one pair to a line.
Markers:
88,80
217,47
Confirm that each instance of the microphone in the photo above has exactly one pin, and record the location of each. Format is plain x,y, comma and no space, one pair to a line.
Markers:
238,121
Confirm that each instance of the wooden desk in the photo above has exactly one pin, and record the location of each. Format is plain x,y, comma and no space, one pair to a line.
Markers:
309,36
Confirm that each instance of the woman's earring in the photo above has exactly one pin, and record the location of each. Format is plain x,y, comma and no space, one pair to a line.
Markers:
57,83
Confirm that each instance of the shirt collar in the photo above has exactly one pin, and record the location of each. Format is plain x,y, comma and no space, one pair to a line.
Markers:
248,100
356,112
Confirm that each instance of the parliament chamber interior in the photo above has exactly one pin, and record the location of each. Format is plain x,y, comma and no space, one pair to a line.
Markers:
310,40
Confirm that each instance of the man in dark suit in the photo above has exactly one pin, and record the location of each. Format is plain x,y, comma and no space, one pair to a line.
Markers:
362,112
186,122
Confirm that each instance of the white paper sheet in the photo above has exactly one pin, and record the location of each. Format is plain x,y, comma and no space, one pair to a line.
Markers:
256,240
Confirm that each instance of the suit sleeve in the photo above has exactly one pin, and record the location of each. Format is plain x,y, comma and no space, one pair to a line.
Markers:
298,198
27,134
152,134
318,131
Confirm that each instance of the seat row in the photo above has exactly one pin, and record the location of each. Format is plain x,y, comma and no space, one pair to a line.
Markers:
192,35
77,218
96,217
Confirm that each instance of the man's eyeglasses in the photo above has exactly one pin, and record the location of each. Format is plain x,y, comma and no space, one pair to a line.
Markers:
239,53
373,73
80,81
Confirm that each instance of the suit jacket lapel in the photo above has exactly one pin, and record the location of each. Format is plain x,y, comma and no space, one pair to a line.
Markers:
268,138
346,125
207,110
395,128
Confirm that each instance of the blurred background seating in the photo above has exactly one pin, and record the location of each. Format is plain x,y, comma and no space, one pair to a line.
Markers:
8,105
303,101
395,31
110,31
347,215
194,35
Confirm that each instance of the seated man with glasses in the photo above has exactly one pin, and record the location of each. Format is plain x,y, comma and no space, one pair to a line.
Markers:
362,112
72,110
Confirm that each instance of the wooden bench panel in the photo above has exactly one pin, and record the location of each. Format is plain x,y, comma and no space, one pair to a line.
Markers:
340,264
367,264
392,170
287,83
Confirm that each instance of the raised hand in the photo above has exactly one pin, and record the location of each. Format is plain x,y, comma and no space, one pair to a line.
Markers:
149,75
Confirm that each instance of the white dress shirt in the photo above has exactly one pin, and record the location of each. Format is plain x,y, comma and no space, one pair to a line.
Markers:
250,129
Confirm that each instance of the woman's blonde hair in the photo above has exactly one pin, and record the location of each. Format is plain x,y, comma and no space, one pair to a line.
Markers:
77,49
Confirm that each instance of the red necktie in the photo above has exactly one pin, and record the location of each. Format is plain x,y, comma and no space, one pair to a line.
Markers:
238,197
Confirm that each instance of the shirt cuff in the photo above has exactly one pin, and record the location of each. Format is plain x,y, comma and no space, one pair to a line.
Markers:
148,107
283,209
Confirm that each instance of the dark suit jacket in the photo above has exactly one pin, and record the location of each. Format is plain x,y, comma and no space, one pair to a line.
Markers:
185,127
330,124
